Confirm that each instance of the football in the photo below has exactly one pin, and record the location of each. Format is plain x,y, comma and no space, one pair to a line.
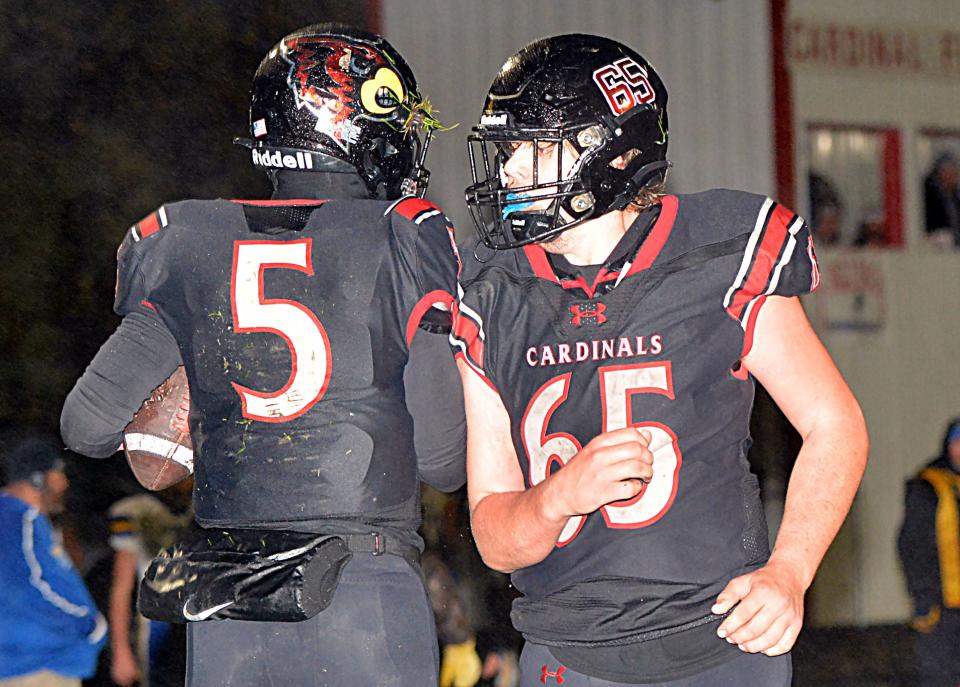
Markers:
157,441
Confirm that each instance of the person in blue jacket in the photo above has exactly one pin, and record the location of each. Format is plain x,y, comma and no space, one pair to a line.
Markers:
50,629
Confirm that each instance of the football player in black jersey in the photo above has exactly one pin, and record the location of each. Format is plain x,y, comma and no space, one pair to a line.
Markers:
313,329
608,337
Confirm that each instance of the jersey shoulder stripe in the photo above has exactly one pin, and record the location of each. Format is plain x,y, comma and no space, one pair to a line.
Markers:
468,335
415,209
438,299
770,247
150,224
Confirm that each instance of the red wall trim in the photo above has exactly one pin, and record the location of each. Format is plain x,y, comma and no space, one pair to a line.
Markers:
893,187
373,17
935,132
783,136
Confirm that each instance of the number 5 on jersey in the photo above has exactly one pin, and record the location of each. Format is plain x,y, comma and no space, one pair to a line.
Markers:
294,322
618,384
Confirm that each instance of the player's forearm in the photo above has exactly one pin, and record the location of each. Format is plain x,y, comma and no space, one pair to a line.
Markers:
139,355
434,398
822,487
516,529
121,594
119,618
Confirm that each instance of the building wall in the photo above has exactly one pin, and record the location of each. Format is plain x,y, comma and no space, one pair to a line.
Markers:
711,55
883,97
888,317
890,321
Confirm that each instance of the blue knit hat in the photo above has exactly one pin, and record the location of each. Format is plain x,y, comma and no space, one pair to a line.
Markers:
954,433
31,460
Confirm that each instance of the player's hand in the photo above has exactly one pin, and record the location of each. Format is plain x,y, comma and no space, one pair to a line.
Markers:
124,669
614,466
769,610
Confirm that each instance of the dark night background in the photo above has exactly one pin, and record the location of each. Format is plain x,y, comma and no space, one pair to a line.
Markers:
108,110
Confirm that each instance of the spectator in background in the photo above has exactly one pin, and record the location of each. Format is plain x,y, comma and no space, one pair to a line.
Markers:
50,630
471,656
500,661
941,200
826,210
471,603
460,664
144,651
872,232
929,546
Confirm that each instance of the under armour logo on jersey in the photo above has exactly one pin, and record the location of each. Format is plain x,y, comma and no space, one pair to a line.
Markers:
544,674
589,312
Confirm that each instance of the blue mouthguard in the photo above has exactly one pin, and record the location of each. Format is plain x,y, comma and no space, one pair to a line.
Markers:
516,207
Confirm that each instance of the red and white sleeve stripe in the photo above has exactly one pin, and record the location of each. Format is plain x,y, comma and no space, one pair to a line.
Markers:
150,224
468,335
770,247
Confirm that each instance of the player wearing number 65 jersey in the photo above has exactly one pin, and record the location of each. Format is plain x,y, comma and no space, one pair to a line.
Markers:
312,327
609,337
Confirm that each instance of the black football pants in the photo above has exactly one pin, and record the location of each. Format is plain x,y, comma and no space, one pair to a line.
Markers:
379,630
538,667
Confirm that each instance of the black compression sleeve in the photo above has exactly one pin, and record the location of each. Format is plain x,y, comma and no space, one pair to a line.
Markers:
435,400
137,357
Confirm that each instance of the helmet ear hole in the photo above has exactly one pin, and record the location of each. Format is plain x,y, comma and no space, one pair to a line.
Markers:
386,149
623,161
384,163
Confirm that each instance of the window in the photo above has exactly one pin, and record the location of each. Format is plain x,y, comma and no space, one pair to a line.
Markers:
938,155
854,186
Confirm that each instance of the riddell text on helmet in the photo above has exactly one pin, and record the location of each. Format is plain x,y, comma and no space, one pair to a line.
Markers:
274,158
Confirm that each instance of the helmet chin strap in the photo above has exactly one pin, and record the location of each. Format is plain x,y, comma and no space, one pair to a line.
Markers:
642,177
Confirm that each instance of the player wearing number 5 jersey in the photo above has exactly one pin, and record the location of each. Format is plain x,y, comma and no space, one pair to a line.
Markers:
608,337
312,327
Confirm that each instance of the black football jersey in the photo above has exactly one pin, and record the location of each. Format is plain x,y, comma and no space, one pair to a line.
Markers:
654,341
294,338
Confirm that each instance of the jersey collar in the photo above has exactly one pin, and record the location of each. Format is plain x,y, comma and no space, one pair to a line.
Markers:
635,252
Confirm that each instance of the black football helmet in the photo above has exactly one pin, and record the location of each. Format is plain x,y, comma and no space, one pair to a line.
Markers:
334,98
594,93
